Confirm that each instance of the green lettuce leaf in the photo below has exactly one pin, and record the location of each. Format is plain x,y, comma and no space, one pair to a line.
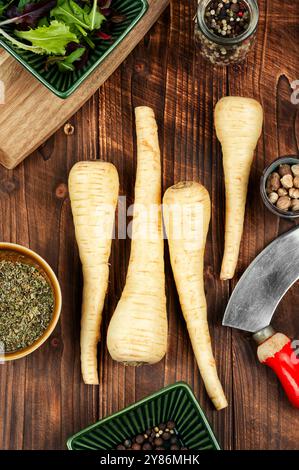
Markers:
65,63
21,45
87,18
51,39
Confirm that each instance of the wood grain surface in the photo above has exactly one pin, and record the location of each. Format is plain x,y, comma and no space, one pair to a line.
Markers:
43,399
31,129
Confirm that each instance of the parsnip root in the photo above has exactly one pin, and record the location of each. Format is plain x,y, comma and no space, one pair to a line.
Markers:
187,212
238,123
93,188
137,333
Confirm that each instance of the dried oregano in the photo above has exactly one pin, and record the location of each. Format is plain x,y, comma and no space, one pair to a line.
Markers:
26,305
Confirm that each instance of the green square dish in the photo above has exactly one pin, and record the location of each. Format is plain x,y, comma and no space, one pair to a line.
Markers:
64,84
175,402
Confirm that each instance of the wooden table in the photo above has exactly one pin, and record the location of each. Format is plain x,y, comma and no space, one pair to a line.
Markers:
43,400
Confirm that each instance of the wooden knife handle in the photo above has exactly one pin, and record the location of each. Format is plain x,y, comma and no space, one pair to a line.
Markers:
279,353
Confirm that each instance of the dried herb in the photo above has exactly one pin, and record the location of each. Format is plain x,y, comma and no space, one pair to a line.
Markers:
26,305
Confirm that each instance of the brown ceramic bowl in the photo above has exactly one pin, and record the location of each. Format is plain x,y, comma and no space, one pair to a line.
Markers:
12,252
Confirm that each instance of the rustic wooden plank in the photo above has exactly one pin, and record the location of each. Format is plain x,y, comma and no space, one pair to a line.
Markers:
139,81
189,152
46,400
262,412
13,375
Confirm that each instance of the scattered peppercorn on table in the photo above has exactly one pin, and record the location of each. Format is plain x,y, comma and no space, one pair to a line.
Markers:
46,400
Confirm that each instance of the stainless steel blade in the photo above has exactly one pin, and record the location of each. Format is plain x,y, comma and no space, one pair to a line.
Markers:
264,283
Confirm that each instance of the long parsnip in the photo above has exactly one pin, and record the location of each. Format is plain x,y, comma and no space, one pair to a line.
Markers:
93,188
187,212
137,332
238,123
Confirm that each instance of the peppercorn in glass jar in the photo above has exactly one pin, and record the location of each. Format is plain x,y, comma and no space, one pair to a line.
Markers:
225,30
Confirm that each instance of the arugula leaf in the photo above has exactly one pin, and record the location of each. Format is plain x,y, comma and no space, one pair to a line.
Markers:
93,15
65,63
83,18
4,5
51,39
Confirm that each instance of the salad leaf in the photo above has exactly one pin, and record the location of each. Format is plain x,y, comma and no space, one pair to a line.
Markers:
93,15
52,39
4,5
66,63
31,14
35,49
43,21
23,3
87,18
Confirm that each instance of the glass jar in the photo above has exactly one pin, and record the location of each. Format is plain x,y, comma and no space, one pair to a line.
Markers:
224,50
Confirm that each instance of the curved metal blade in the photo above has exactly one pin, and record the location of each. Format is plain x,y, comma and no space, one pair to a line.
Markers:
262,286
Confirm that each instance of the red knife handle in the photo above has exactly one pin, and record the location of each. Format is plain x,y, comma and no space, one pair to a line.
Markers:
279,353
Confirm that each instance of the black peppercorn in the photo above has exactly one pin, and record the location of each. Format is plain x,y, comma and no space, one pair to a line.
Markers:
174,447
127,443
146,446
158,442
162,437
136,446
140,439
120,447
170,424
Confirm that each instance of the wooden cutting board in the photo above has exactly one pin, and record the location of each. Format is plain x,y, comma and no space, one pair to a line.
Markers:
31,113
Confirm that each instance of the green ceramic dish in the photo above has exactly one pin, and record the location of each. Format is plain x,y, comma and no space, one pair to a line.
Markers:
175,402
64,84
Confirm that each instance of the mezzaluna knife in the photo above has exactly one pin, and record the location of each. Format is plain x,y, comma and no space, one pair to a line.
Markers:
253,304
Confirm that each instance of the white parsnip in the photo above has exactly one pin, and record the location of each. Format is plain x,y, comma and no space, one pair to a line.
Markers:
137,333
93,188
238,123
187,212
